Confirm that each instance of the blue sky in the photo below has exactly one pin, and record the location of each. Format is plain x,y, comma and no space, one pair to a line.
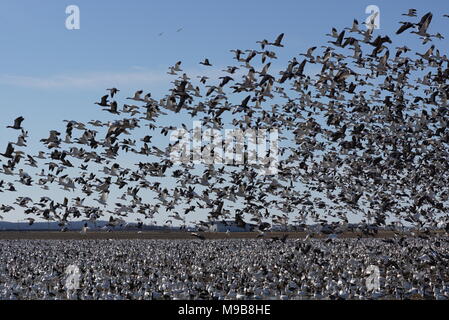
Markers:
49,74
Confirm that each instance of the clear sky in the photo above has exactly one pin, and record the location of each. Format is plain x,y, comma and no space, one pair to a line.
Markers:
49,74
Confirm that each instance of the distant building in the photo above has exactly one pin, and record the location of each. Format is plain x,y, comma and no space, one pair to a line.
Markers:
231,226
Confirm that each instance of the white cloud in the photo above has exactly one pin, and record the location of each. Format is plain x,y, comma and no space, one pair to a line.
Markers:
87,80
138,77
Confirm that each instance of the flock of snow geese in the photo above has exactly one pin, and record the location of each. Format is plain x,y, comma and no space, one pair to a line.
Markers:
363,134
365,137
229,269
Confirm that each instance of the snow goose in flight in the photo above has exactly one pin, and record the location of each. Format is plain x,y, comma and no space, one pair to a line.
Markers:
206,62
136,96
113,91
277,42
410,13
9,151
103,102
17,123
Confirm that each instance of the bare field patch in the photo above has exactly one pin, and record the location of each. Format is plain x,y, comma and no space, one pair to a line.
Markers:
98,235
